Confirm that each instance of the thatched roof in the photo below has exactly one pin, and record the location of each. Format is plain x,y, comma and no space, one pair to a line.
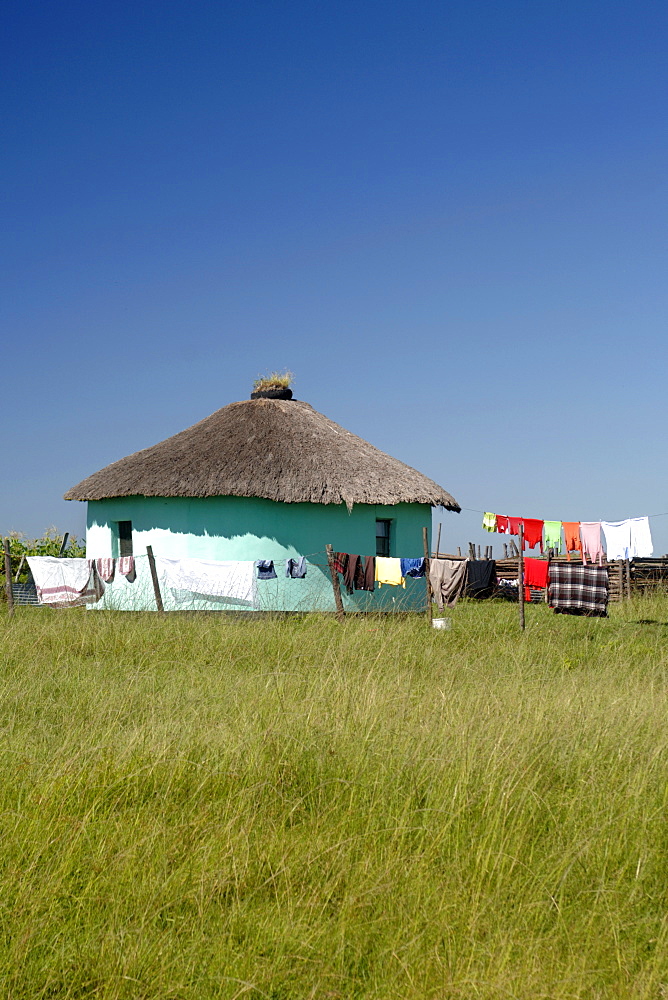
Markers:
277,449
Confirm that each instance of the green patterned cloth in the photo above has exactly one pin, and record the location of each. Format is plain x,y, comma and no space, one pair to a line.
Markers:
489,522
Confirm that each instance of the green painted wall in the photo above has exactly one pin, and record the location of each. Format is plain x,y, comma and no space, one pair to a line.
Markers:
251,528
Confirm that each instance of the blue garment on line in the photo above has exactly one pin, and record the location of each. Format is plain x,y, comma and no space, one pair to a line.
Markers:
265,569
412,567
296,568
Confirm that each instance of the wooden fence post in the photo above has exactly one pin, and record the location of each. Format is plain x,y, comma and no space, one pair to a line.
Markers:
427,563
8,578
154,578
520,576
438,541
620,577
340,613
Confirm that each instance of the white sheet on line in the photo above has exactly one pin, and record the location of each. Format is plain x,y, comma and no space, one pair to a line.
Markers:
65,582
617,538
628,539
233,579
641,538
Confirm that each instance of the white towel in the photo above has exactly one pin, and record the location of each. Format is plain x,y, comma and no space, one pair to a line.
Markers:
641,538
65,582
234,580
617,538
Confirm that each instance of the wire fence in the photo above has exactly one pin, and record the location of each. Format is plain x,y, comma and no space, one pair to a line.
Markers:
244,593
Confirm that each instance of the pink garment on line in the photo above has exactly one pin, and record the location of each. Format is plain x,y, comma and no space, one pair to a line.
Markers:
590,536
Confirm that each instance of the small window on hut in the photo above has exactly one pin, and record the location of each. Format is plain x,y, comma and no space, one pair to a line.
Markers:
383,537
125,538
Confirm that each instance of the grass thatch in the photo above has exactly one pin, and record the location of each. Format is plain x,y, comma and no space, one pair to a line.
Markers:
277,449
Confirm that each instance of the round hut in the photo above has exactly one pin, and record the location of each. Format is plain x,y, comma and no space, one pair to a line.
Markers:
266,478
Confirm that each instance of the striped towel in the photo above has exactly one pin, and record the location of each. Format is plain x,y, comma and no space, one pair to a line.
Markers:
105,568
126,567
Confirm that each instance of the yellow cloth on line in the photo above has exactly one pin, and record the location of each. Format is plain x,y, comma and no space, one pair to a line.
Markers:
489,521
389,571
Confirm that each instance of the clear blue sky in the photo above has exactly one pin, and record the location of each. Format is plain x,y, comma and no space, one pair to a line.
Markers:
448,219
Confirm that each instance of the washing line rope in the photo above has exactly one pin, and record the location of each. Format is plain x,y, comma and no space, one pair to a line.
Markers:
474,510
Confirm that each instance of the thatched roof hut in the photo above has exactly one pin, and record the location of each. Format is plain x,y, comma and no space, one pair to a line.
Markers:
276,449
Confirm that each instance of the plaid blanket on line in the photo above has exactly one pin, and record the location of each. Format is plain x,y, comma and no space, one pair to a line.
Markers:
578,589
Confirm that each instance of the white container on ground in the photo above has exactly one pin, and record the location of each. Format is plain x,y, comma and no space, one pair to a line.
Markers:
441,623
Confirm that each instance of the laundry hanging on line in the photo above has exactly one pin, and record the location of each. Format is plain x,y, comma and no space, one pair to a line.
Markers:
553,536
480,578
365,572
574,589
360,573
535,575
572,540
265,569
447,578
413,567
106,569
296,568
233,580
626,539
126,567
388,571
590,535
65,582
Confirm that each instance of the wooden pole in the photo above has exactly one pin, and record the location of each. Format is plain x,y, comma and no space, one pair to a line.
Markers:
438,541
66,538
549,560
340,613
628,579
520,576
8,578
427,564
154,578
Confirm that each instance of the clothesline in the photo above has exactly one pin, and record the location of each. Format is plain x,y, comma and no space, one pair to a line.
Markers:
474,510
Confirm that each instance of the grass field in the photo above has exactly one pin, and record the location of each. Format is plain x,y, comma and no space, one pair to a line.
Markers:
203,807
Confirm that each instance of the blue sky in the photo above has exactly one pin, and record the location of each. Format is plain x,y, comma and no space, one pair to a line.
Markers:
448,219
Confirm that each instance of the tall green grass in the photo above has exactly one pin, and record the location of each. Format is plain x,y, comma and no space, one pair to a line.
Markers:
199,807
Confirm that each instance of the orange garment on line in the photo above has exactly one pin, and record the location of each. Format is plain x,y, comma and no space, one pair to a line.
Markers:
572,536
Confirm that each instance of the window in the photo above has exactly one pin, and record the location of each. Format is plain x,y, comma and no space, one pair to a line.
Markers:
383,537
125,538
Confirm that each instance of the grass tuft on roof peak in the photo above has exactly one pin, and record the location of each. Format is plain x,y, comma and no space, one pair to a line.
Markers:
274,380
